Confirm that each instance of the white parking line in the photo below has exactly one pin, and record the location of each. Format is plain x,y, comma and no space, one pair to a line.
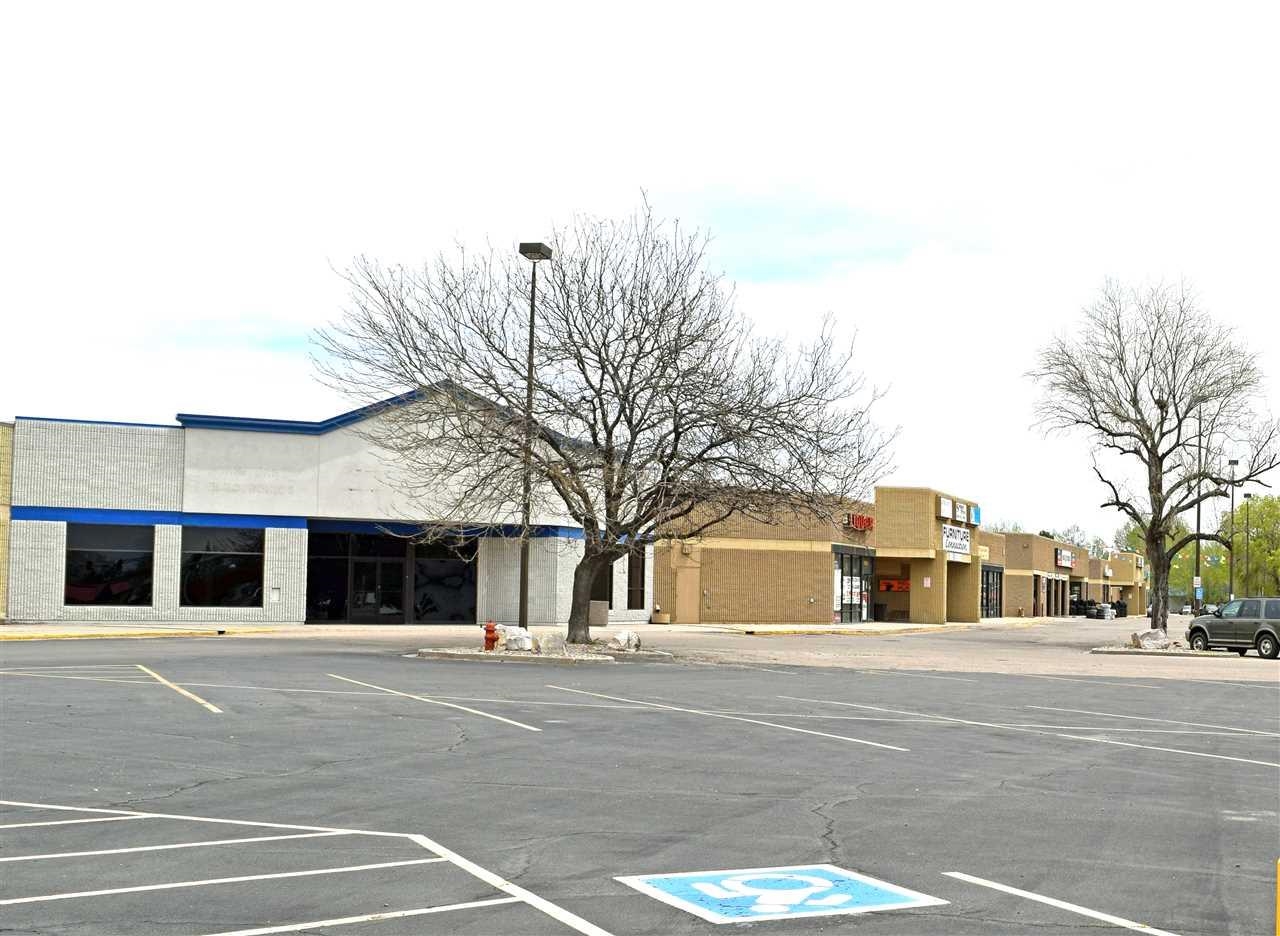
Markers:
442,854
752,721
463,708
135,680
143,848
78,666
867,672
228,880
1051,734
178,689
32,825
1096,682
1060,904
556,912
138,814
368,918
1167,721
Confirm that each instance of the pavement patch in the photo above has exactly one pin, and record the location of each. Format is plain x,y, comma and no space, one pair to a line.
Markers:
781,893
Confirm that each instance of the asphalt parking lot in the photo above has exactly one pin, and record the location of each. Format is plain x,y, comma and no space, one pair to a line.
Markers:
270,786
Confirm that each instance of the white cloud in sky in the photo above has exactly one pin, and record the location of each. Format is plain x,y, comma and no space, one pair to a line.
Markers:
953,180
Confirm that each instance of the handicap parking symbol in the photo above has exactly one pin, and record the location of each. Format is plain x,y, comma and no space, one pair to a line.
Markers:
784,893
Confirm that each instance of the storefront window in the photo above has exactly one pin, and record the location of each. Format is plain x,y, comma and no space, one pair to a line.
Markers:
221,567
851,587
109,564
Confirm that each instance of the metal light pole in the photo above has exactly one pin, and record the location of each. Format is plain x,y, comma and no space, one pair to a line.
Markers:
1247,498
533,252
1231,553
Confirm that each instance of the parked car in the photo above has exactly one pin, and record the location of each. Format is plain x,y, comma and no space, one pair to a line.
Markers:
1186,609
1210,608
1239,625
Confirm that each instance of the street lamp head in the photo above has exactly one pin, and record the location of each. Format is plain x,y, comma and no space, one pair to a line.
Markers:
1162,404
1233,462
535,251
1248,496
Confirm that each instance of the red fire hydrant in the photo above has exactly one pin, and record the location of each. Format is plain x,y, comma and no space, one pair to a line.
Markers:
490,636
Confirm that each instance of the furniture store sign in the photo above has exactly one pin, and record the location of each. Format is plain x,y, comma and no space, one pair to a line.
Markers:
955,539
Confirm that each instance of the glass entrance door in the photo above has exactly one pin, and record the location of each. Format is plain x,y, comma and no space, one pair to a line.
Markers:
377,591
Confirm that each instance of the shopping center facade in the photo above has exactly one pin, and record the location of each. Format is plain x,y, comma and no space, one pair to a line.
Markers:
246,520
227,519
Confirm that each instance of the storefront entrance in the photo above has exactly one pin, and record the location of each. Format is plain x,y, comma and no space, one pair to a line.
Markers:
852,587
377,591
377,578
992,592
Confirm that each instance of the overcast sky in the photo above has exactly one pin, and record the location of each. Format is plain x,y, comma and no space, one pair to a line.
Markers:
177,182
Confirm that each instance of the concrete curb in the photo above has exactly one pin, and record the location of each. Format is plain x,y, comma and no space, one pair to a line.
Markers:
122,635
1134,651
481,656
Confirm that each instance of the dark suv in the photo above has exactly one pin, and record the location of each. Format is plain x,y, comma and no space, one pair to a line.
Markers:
1239,625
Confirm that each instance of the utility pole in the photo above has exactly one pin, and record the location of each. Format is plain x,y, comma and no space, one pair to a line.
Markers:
1247,498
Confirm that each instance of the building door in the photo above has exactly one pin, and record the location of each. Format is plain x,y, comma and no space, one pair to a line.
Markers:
992,592
377,591
688,594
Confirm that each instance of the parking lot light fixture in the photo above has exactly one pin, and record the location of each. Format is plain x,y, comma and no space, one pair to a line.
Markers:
534,252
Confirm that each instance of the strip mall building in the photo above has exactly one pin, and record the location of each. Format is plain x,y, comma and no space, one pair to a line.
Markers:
915,555
252,520
233,520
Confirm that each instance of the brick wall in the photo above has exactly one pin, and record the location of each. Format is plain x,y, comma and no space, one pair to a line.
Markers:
552,561
905,518
60,464
995,543
1017,594
762,586
6,482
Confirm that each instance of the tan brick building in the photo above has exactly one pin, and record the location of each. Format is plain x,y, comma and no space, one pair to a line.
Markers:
747,572
1039,575
1119,577
910,557
6,499
927,570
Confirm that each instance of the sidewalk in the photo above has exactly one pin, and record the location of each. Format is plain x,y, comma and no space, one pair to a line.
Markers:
462,634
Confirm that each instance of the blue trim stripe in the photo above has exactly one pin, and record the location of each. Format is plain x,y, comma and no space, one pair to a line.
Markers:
254,424
400,528
261,521
96,422
153,517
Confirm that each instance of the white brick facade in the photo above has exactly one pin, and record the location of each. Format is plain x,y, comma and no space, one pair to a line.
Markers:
61,464
551,564
279,480
38,570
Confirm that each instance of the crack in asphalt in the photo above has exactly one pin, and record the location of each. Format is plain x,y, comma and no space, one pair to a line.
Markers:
828,835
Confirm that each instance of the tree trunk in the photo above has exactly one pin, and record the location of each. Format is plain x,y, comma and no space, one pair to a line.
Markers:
584,575
1159,563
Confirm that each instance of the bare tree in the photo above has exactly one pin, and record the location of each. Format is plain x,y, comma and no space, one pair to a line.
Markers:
1151,377
652,398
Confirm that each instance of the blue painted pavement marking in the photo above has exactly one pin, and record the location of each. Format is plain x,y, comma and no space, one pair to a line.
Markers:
784,893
